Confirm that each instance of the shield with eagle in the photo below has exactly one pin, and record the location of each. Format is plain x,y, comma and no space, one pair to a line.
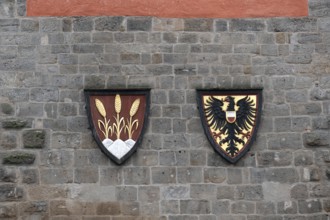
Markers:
118,119
230,119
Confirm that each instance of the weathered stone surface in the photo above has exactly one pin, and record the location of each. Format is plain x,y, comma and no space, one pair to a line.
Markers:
316,139
14,123
7,175
34,138
139,24
243,207
30,176
8,140
292,24
6,108
246,25
109,24
309,206
10,193
56,176
191,207
19,158
8,211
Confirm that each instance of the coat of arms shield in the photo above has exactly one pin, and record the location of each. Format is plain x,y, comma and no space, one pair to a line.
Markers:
230,119
118,119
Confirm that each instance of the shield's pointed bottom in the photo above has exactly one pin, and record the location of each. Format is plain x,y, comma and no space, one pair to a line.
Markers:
118,148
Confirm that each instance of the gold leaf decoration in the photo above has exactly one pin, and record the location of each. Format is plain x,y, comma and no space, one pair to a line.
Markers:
100,107
117,104
135,107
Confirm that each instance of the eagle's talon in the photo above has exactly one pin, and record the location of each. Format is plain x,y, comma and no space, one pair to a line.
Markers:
246,135
216,135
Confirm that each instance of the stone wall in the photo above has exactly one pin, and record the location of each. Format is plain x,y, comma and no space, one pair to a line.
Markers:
52,169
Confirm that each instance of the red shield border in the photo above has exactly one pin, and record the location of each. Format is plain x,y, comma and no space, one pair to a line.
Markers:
100,119
216,146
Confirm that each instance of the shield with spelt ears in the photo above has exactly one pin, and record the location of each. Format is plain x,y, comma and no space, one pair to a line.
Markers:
118,119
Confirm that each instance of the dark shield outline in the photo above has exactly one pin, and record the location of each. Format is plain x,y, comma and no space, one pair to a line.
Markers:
89,93
257,92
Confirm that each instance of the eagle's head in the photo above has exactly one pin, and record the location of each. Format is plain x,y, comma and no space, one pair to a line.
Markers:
231,101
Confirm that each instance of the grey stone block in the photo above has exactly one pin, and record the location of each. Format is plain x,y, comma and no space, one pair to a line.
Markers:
18,158
265,208
303,158
81,24
136,176
67,109
44,94
6,109
198,25
283,158
202,191
9,25
287,207
252,193
109,24
124,37
319,8
29,25
149,194
30,176
11,193
169,207
34,138
246,25
189,175
8,175
67,25
282,175
8,210
126,193
14,123
243,207
292,24
56,176
220,207
306,109
8,140
174,192
316,139
309,206
236,59
163,175
225,192
234,176
214,48
284,141
185,70
56,158
195,207
86,175
176,96
139,24
188,38
221,25
324,25
299,192
299,59
161,126
49,25
88,48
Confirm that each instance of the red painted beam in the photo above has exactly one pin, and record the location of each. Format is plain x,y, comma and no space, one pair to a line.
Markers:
170,8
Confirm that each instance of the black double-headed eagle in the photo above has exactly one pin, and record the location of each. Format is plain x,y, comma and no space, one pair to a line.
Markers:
232,125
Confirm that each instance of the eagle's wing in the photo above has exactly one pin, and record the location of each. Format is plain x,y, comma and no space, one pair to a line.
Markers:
245,115
215,116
